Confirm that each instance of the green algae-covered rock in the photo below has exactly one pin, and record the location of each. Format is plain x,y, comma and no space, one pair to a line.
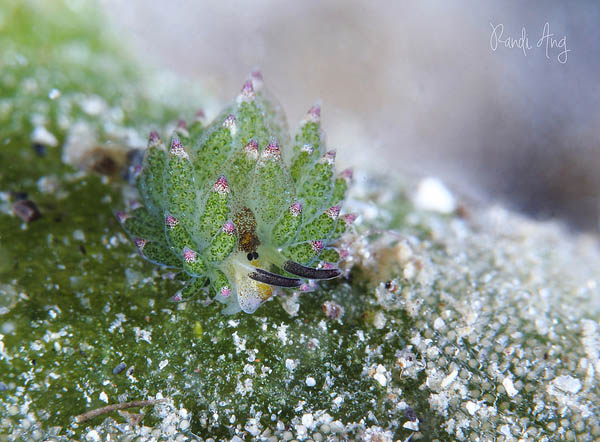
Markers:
481,327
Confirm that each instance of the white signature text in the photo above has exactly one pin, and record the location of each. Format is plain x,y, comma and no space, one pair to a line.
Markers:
548,41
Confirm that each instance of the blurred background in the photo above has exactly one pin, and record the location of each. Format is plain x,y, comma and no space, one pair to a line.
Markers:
410,87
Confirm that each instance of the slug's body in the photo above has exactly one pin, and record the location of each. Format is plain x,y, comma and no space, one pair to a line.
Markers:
240,204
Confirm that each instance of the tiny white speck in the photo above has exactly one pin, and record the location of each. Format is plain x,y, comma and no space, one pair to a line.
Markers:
410,270
449,379
308,421
43,136
103,397
379,320
290,364
508,385
300,431
8,327
567,383
93,105
163,364
412,425
438,323
472,407
433,195
53,94
380,375
142,335
310,382
93,436
313,343
282,333
505,430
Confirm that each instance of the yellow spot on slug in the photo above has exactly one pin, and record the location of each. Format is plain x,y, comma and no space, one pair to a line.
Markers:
265,291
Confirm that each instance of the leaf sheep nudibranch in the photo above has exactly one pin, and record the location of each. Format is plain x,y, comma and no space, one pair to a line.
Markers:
239,204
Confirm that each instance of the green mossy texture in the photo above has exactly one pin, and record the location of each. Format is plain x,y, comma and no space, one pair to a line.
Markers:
438,312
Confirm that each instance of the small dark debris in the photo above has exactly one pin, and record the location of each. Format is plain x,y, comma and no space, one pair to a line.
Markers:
82,249
388,285
19,196
39,149
462,212
33,362
26,210
332,310
410,414
130,370
133,419
3,386
105,164
120,368
135,158
350,277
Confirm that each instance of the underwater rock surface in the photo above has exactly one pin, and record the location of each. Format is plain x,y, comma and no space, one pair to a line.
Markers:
477,324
